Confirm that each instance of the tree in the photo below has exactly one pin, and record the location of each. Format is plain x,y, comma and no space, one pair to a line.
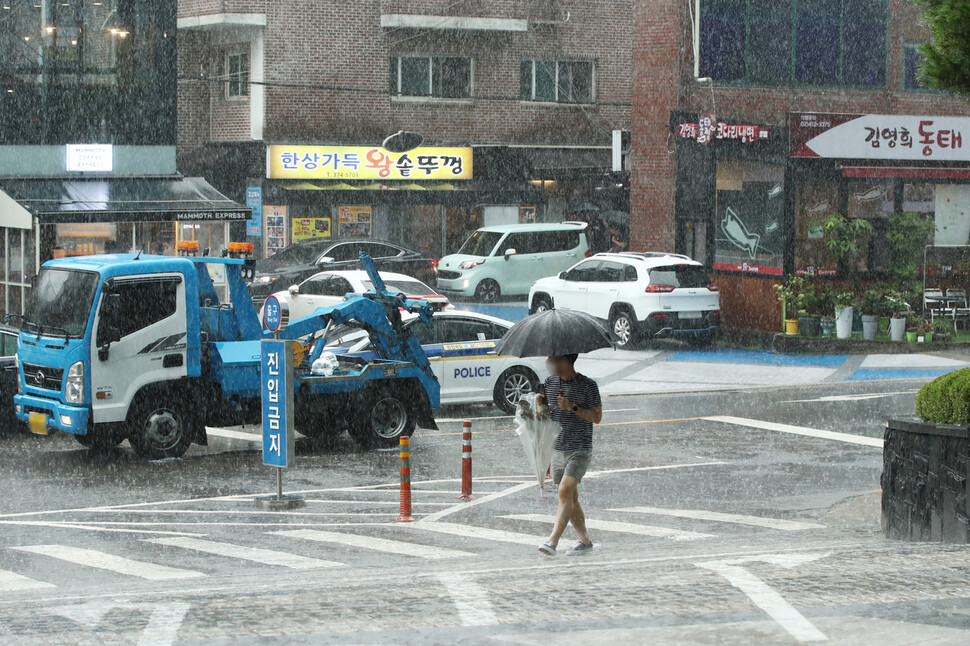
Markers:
947,54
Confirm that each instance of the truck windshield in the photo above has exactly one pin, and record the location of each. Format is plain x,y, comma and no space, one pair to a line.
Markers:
481,243
60,302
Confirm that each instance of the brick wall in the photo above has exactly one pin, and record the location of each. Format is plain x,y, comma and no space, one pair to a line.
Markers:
193,98
228,116
335,57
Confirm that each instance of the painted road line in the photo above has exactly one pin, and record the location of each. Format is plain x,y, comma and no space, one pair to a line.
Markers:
375,503
798,430
104,561
233,435
849,398
470,599
622,528
471,531
459,420
97,526
454,509
11,582
376,544
766,598
600,474
246,553
739,519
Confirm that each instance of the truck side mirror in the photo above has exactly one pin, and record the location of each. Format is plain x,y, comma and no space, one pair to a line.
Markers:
108,330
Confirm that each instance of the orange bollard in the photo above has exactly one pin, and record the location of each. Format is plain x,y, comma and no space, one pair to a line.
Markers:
466,462
405,480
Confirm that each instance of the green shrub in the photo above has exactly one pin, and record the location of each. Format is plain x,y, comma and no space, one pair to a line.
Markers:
946,399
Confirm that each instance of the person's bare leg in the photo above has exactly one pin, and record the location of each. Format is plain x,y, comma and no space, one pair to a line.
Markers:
567,495
578,519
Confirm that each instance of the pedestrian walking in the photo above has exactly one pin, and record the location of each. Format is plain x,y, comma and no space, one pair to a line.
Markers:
574,401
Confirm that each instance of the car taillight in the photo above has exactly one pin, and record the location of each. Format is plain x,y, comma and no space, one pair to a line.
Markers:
434,262
712,287
661,316
589,254
662,289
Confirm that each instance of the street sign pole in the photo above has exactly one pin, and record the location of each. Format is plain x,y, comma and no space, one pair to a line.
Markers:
276,382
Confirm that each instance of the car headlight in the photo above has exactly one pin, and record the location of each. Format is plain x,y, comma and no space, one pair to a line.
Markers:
74,390
265,279
470,264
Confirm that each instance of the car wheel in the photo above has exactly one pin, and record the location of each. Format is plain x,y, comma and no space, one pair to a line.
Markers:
540,304
623,327
382,422
511,385
487,291
159,429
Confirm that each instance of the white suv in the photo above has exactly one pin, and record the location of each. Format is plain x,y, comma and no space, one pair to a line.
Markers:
640,294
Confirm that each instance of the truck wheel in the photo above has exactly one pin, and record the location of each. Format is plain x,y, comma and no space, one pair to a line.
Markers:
159,429
487,291
512,384
383,420
623,326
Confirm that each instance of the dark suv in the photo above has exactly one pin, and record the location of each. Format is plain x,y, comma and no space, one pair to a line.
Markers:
299,261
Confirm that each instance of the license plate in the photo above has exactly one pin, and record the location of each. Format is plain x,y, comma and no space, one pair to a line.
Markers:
37,423
689,315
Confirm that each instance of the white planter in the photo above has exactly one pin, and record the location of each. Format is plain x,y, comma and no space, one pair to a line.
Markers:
870,327
897,329
843,322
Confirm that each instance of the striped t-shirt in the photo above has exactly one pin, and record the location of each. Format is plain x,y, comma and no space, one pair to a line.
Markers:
576,433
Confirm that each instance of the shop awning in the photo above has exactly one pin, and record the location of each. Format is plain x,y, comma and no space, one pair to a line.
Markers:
121,199
13,215
893,172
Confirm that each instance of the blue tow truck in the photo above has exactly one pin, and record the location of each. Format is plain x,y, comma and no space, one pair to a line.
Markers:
139,347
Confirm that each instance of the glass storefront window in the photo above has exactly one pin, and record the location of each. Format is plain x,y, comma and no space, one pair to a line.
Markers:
750,232
814,202
872,199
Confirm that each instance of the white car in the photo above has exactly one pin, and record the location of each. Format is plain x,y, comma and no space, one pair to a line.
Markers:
460,348
639,294
331,288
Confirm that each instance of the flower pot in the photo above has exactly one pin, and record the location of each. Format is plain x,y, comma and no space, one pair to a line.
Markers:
884,323
870,327
928,337
791,326
910,336
856,321
827,326
809,325
897,329
843,322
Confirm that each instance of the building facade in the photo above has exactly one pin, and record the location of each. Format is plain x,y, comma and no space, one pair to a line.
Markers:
756,120
516,101
87,138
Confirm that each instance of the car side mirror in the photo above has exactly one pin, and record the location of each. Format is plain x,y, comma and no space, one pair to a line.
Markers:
325,260
294,290
564,275
509,253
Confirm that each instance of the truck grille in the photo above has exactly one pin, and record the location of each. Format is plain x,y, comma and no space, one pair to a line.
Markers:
448,275
42,376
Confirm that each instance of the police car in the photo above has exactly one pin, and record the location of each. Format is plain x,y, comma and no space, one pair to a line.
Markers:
459,346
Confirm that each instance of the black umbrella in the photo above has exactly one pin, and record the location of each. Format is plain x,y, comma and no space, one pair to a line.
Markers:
616,218
554,333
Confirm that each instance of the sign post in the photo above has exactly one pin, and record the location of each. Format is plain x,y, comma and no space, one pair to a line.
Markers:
276,381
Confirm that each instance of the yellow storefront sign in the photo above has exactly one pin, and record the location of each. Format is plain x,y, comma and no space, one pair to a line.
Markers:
367,163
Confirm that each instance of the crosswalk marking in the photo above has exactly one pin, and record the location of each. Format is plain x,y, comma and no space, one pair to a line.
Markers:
10,582
104,561
377,544
739,519
798,430
470,531
623,528
245,552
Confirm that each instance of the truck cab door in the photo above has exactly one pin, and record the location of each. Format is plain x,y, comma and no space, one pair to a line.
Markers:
139,339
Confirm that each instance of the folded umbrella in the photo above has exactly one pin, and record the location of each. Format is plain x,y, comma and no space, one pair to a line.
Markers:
537,432
554,333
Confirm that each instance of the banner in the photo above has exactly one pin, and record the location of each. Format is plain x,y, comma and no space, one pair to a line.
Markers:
879,136
354,221
310,228
367,163
275,238
254,200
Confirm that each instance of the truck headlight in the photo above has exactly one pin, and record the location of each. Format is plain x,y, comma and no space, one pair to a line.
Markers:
470,264
74,391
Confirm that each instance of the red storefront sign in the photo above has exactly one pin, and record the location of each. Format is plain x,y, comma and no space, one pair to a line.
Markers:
748,268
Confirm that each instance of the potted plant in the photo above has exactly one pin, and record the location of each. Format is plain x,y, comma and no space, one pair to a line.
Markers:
917,328
886,306
815,303
897,321
871,302
844,301
827,323
942,329
789,295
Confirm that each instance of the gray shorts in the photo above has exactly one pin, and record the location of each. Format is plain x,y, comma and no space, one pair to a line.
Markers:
570,463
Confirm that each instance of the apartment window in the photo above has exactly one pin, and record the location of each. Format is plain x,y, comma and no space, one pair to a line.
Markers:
912,60
557,81
801,42
441,77
237,73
